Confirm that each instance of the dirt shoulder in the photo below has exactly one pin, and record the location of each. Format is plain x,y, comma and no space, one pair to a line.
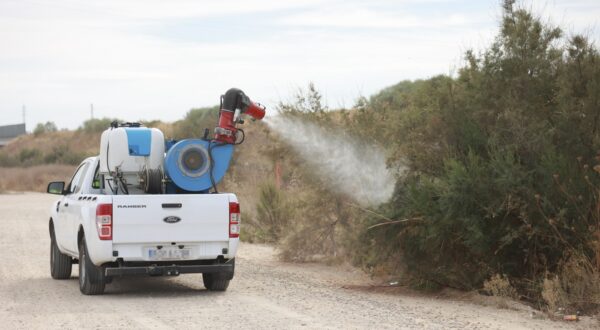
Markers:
266,293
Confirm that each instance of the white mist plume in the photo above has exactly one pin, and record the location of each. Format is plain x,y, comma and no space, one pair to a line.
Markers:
356,169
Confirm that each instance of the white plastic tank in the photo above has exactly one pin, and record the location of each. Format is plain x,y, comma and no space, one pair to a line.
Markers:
131,149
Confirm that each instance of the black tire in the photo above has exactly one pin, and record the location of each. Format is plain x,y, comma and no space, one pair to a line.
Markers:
91,277
153,181
60,264
218,281
212,282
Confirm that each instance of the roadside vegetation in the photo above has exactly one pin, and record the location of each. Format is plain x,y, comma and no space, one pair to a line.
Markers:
501,192
34,178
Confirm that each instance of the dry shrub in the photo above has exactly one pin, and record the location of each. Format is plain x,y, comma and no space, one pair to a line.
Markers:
251,230
499,286
553,294
78,142
302,223
320,225
575,288
33,178
596,246
299,244
273,214
294,209
309,241
250,168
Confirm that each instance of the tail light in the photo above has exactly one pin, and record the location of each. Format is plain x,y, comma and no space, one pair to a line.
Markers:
104,221
234,220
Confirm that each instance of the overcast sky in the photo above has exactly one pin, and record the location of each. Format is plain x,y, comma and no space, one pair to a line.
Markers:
156,59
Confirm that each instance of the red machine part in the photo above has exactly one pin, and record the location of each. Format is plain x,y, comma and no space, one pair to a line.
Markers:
255,111
233,101
226,131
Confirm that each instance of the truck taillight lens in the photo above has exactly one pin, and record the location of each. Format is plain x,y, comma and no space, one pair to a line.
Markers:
234,220
104,221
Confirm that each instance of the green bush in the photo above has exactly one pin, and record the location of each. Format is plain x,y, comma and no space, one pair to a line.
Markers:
274,213
504,163
7,161
97,125
48,127
194,123
29,157
500,161
61,154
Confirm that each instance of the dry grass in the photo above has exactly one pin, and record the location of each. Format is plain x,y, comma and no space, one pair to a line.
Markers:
553,294
33,178
250,167
76,141
575,288
499,286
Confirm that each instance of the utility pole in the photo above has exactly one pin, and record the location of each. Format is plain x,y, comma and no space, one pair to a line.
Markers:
92,110
24,114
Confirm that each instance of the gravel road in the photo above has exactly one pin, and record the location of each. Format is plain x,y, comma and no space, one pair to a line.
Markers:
265,293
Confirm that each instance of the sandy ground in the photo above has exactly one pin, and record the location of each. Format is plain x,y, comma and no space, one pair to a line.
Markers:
265,293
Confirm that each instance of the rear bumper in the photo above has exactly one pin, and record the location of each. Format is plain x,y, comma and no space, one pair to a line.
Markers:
108,252
226,269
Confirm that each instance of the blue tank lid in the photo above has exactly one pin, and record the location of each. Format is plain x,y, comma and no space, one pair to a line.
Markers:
139,140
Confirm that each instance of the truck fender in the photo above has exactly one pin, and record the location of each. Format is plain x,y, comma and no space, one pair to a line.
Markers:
53,235
100,252
80,233
51,227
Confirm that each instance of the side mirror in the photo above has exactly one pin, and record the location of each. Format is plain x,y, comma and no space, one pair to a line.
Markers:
57,188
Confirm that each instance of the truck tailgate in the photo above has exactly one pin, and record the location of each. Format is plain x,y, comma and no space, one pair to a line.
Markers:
170,218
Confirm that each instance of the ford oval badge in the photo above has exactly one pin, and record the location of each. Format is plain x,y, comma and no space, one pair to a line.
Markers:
172,219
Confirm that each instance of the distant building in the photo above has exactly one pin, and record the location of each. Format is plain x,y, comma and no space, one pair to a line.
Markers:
9,132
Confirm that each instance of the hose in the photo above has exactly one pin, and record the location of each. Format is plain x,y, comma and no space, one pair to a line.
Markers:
243,137
212,163
114,191
111,187
123,185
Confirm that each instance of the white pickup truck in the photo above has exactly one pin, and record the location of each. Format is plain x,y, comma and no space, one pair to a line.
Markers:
112,235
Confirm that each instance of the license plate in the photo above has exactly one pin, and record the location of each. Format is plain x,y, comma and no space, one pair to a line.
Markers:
167,253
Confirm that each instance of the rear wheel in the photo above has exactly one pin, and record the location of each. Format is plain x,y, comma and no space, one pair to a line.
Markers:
213,283
218,281
60,264
91,278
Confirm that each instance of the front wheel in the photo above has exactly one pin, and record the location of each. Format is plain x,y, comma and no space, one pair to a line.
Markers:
91,278
60,264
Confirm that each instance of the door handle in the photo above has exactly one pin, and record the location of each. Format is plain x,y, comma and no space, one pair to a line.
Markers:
171,205
66,204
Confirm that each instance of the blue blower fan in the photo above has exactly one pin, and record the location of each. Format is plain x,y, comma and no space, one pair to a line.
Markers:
197,165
